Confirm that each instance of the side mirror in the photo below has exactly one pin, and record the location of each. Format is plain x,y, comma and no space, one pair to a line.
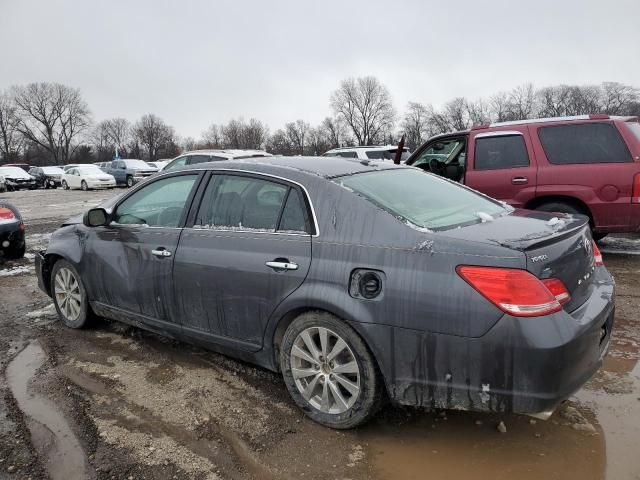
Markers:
96,217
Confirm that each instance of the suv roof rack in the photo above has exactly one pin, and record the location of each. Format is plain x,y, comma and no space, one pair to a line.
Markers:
596,116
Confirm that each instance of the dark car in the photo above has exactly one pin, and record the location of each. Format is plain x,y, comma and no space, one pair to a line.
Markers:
16,178
47,177
588,164
12,243
357,280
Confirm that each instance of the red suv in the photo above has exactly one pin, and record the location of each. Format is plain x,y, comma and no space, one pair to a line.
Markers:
587,164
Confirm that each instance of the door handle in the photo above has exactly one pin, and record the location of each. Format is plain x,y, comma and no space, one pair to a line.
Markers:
161,252
519,180
284,265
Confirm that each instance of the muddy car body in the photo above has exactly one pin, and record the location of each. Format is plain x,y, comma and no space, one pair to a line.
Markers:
353,296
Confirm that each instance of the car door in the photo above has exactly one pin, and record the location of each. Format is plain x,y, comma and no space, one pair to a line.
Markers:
247,248
73,178
132,257
501,164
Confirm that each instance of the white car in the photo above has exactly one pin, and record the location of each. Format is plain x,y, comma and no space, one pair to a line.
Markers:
373,152
160,164
87,177
202,156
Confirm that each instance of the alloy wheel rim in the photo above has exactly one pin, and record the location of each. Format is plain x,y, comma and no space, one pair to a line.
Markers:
325,370
68,296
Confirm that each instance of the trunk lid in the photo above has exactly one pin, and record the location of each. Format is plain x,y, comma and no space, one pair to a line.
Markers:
555,246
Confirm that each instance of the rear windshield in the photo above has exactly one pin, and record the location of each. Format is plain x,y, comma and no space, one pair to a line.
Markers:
421,199
583,143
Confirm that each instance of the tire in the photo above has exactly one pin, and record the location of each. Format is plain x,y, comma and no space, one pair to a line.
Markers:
559,207
351,406
129,181
84,186
15,253
74,312
65,186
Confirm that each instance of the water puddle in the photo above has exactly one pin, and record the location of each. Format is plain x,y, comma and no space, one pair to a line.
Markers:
50,433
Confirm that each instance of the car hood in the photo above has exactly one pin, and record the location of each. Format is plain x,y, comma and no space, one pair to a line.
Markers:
521,229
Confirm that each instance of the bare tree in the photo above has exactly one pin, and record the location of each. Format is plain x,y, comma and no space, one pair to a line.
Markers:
335,131
101,141
51,116
297,134
119,132
417,124
10,138
521,102
365,105
499,107
232,133
279,143
317,141
254,134
155,136
616,97
212,137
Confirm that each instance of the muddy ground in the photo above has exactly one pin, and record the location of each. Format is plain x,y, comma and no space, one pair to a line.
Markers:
114,402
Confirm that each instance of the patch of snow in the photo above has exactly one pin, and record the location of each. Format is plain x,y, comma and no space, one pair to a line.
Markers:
620,245
426,245
46,312
485,217
14,271
417,227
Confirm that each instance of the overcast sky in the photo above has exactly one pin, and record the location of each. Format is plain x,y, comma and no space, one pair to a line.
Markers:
200,62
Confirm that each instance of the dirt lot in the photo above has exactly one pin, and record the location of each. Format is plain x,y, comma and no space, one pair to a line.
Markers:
117,402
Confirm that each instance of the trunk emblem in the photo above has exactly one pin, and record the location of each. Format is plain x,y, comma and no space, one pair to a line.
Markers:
539,258
587,245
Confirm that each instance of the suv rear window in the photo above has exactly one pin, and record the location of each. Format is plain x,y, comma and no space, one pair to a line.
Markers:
508,151
583,143
422,200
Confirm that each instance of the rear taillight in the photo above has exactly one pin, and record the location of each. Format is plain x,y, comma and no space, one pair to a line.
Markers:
557,289
516,292
7,215
635,195
597,256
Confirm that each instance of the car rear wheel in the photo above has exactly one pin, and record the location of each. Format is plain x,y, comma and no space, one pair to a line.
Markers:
65,186
562,207
329,371
69,295
129,181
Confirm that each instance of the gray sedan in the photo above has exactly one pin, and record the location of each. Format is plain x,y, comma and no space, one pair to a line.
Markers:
359,281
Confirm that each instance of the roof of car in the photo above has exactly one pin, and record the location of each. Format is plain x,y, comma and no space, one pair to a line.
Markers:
327,167
231,152
366,147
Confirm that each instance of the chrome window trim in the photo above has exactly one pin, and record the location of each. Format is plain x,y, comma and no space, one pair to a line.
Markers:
499,133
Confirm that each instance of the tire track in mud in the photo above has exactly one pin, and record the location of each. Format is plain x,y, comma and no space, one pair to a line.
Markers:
51,434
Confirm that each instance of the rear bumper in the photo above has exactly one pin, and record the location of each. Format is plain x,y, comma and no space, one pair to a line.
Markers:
522,365
11,232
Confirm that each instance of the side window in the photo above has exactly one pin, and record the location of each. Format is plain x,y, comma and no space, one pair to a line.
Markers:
294,216
194,159
494,153
346,154
583,143
159,204
216,159
378,155
234,201
443,151
177,163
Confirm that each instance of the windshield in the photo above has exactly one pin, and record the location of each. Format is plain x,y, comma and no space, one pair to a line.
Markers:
422,200
90,170
137,164
13,172
52,170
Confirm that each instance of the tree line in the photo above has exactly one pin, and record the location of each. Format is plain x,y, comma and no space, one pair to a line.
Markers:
50,123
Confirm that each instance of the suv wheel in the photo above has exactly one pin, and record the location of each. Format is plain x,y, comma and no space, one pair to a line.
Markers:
69,295
329,371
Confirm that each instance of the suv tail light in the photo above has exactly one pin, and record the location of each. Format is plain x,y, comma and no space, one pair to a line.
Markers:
557,289
597,256
635,195
7,215
516,292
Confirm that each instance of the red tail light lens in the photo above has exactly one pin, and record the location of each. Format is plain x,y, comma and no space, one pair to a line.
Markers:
635,195
597,256
557,289
516,292
6,215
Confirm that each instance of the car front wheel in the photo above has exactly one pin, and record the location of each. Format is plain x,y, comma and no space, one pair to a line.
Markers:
69,295
84,186
329,371
65,186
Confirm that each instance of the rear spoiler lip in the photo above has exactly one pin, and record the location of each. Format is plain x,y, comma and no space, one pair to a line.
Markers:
545,238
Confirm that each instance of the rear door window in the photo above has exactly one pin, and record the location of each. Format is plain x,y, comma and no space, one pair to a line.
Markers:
583,143
346,154
294,216
194,159
498,152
